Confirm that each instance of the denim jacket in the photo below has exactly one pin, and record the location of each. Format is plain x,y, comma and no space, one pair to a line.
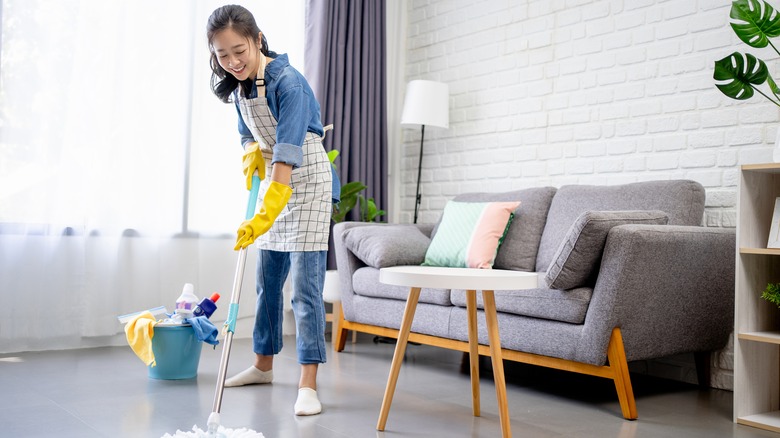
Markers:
296,110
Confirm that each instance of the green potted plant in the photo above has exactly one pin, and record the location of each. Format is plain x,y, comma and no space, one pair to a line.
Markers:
772,293
351,197
739,74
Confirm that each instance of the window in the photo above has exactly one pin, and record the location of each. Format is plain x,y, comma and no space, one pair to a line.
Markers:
107,121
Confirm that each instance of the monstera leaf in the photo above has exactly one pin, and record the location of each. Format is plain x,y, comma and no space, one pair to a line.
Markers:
773,86
754,21
736,76
738,72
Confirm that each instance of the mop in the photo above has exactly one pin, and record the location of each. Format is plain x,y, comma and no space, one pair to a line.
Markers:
214,429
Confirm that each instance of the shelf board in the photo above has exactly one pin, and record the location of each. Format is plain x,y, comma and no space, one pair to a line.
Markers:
767,421
766,167
764,251
770,337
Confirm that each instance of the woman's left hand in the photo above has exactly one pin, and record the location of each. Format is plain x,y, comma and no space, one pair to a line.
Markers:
253,161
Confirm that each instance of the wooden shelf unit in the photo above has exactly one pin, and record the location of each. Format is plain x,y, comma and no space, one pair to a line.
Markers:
756,321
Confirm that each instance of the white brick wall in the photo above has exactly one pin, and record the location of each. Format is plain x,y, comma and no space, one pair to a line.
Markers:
554,92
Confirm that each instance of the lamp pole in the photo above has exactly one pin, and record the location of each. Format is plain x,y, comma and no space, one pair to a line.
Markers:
418,198
426,103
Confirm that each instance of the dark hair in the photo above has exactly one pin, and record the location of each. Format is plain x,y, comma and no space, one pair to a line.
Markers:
241,21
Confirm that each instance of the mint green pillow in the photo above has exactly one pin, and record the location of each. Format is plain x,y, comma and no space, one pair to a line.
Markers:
469,234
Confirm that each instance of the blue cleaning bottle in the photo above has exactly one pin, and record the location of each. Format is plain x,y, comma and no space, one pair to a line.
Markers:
206,306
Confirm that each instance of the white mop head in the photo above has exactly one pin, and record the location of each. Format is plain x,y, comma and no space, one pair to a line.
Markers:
222,432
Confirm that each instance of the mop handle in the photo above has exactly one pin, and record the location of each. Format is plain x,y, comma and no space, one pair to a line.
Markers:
230,322
250,207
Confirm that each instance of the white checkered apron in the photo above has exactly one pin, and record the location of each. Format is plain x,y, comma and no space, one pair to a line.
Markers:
304,223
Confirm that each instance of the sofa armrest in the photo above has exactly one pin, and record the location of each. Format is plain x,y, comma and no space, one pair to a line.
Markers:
669,288
426,229
347,262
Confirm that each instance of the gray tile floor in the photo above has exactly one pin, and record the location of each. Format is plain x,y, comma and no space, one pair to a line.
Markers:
105,392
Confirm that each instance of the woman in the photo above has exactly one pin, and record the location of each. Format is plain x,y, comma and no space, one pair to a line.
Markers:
277,108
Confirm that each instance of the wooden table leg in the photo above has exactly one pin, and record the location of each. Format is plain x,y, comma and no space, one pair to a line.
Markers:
337,337
398,356
498,364
471,308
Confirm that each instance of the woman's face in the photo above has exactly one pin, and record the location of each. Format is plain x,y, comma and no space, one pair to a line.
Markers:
236,54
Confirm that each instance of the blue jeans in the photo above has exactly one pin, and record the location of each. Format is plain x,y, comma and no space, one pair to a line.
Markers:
308,279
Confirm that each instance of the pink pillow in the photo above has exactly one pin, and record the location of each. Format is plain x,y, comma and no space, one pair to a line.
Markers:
469,234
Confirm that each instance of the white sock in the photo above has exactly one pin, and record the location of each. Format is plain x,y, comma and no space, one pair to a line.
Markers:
250,376
307,403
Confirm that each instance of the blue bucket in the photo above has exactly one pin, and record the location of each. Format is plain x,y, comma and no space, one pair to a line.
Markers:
176,352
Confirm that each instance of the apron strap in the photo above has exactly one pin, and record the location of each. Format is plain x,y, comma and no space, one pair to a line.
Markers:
260,79
325,130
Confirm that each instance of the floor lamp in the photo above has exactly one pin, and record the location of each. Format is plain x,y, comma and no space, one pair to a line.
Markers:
426,103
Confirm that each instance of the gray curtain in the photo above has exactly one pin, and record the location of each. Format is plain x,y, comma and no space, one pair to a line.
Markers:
345,65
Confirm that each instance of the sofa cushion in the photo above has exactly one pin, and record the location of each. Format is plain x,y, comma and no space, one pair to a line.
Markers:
578,256
382,245
469,234
557,305
365,282
519,247
681,200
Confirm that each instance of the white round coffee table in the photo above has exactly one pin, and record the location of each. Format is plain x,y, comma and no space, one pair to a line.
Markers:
486,280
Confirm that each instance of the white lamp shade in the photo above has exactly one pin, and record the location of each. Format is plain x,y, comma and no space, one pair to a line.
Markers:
426,103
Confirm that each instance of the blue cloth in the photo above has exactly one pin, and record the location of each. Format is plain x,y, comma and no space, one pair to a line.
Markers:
308,280
204,329
336,193
292,102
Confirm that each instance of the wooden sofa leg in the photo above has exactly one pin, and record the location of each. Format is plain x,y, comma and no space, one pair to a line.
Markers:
617,361
703,368
339,332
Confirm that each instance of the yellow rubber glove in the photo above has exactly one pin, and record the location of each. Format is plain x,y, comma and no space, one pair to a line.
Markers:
251,161
273,203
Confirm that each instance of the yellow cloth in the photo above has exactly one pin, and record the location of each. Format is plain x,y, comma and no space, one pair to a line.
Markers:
140,331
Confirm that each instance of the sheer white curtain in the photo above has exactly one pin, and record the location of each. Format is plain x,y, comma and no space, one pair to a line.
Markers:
93,114
119,170
397,21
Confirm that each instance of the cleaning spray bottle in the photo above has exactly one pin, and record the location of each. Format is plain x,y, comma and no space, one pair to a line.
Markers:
186,302
206,306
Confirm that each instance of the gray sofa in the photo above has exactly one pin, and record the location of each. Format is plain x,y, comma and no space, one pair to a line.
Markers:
655,291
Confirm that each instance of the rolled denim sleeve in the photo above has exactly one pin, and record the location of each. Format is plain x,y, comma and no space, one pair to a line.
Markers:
291,127
243,130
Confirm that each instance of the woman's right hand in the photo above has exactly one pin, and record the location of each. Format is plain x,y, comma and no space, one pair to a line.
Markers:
251,161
